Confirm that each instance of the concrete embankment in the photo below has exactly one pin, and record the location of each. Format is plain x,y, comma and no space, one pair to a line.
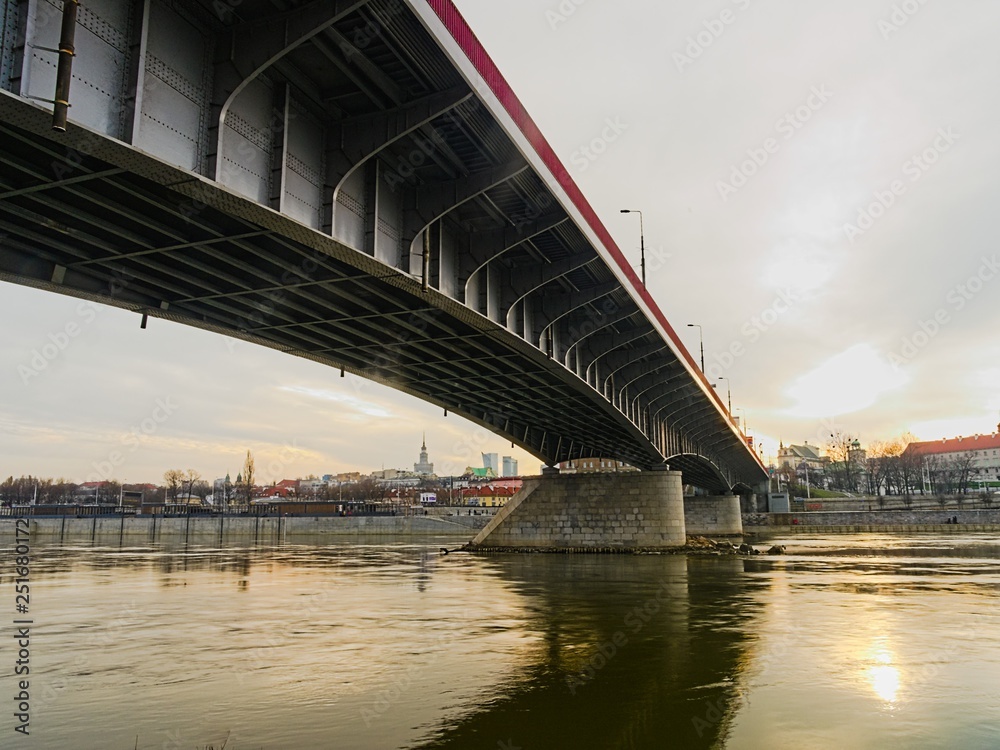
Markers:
239,528
887,521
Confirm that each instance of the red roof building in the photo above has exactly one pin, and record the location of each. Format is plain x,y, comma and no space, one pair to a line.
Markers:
981,451
489,495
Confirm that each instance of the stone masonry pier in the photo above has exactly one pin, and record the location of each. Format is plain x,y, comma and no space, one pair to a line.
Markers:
713,515
634,510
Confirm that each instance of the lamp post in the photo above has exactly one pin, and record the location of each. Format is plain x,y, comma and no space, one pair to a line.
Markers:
805,465
642,244
701,342
743,419
729,396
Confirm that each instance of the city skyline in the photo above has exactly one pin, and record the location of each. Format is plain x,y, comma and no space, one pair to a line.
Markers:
829,230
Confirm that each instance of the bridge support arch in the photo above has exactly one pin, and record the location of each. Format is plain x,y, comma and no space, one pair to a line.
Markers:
591,512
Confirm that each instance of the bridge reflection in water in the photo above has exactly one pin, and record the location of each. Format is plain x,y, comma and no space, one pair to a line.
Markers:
637,652
376,644
379,643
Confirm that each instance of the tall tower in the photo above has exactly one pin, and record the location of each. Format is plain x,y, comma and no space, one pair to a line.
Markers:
423,466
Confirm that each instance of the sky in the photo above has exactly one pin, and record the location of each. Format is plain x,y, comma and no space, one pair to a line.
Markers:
817,182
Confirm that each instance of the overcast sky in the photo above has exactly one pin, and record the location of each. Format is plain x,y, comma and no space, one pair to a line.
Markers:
819,189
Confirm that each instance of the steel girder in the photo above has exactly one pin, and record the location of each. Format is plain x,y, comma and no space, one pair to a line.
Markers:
311,248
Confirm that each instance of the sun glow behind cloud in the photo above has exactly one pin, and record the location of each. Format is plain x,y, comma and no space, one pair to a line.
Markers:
845,383
345,399
937,429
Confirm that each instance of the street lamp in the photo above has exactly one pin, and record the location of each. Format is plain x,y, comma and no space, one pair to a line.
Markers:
729,396
642,244
701,341
805,465
743,419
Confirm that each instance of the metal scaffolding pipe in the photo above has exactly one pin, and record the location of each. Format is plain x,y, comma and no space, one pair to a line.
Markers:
427,259
64,73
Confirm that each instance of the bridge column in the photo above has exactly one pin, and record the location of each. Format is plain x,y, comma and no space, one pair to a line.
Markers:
713,515
612,511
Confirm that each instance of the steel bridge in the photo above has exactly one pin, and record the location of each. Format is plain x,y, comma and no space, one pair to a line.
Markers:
352,182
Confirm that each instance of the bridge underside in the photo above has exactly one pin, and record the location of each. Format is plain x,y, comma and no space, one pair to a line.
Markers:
322,180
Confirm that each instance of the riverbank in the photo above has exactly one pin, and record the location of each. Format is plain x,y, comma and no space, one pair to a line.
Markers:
220,529
875,521
223,528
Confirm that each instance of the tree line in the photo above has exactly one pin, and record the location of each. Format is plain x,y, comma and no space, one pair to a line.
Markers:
885,467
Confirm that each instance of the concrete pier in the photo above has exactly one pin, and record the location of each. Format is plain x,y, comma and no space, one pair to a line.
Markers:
633,510
713,515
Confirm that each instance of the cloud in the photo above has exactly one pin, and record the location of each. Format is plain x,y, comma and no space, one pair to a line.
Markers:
358,405
844,383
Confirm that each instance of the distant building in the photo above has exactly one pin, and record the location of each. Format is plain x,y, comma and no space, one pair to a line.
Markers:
95,492
793,456
977,456
509,467
488,495
476,472
222,491
857,454
492,461
312,487
423,466
284,488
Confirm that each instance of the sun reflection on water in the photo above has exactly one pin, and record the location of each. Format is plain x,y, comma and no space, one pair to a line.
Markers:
883,676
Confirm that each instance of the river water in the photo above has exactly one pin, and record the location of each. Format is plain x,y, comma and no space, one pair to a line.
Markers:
846,642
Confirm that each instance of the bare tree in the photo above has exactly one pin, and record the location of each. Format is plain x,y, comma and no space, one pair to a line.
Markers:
844,465
910,466
174,479
190,478
945,472
248,478
365,490
201,489
963,463
881,465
